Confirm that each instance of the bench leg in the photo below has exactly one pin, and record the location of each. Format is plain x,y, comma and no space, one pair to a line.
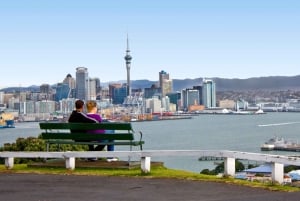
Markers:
145,164
70,163
9,162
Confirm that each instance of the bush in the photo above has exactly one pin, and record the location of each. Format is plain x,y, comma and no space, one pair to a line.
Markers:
37,144
239,166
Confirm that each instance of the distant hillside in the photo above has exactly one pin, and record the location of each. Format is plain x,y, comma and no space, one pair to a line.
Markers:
272,83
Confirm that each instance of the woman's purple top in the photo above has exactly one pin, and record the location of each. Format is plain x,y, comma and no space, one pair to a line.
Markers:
98,118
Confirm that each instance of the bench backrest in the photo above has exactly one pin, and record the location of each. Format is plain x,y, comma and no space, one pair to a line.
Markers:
86,126
122,131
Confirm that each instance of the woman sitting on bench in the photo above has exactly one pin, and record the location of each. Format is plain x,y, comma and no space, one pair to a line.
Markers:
92,109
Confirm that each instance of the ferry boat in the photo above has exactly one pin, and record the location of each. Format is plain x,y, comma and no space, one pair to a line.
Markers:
8,124
279,143
7,120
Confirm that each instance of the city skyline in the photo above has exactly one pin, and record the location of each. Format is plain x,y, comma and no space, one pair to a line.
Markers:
41,42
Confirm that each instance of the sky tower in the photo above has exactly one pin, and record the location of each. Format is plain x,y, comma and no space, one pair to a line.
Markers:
128,63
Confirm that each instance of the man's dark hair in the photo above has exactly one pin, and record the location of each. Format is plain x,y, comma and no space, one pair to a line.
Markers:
79,104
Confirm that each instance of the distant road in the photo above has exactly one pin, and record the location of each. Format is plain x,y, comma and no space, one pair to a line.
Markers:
27,187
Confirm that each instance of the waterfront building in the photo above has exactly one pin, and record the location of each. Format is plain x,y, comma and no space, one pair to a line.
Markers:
199,88
152,91
189,97
70,81
45,107
82,83
67,105
104,93
93,86
165,103
175,98
293,105
118,93
98,88
209,93
165,83
241,105
12,101
62,91
227,104
46,92
27,107
153,105
128,59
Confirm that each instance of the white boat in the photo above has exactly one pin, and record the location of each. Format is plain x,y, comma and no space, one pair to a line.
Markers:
279,143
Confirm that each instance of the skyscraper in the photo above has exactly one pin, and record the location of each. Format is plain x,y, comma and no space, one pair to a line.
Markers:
165,83
70,81
209,93
128,64
82,83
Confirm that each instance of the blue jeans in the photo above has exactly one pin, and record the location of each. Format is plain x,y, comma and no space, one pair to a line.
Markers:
109,147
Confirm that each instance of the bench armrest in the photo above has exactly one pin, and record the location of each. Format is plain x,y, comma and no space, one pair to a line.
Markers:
141,135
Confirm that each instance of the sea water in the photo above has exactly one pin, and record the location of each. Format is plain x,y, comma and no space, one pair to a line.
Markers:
203,132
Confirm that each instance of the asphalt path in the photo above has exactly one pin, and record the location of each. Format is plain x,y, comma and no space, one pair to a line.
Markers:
36,187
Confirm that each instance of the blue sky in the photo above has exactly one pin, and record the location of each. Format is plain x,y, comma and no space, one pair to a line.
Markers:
43,41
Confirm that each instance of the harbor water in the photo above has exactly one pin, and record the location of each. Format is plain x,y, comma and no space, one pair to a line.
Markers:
203,132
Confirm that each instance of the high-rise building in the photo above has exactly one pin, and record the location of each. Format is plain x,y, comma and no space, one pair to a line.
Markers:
209,93
70,81
152,91
128,59
82,83
175,98
165,83
93,88
118,93
62,91
189,97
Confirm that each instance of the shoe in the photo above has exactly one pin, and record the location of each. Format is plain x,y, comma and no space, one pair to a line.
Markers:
111,159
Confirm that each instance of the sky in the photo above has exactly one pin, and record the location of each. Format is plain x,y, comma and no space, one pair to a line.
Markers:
43,41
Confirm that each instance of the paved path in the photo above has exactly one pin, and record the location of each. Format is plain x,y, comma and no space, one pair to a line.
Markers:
33,187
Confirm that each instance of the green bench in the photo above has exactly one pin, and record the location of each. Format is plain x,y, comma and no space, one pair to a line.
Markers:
121,134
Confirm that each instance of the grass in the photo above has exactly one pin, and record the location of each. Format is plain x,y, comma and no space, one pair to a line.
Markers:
156,172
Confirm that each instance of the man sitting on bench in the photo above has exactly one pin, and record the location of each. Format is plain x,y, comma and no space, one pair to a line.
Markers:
78,116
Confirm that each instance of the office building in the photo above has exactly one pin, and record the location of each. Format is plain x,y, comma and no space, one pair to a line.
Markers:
82,83
165,83
190,97
93,88
209,93
175,98
62,91
152,91
118,93
70,81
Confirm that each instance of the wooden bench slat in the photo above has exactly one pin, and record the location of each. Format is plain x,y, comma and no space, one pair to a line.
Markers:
133,143
86,126
86,136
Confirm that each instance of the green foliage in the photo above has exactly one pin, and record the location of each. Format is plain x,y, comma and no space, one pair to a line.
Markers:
239,166
290,168
208,172
36,144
